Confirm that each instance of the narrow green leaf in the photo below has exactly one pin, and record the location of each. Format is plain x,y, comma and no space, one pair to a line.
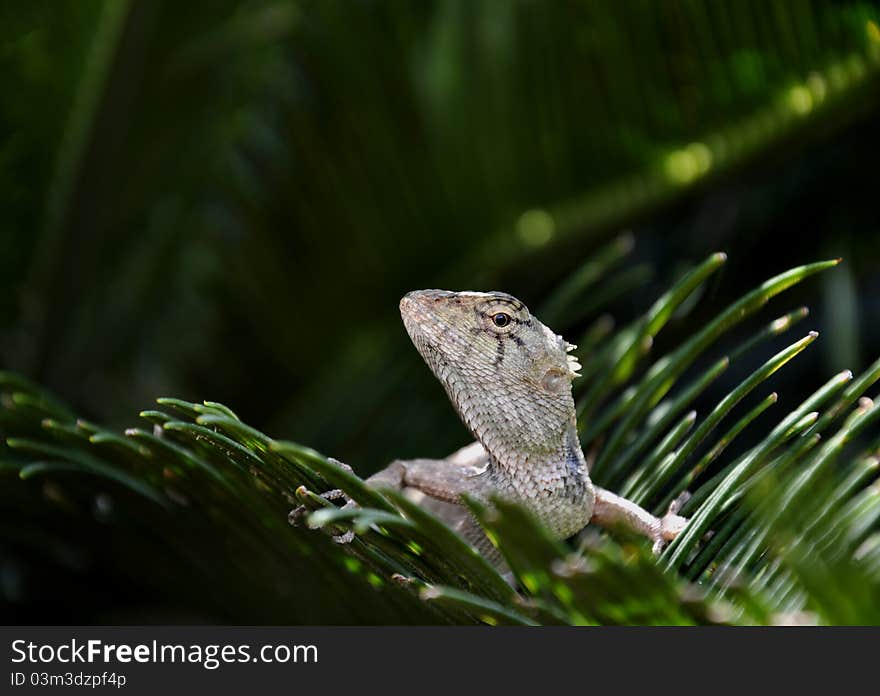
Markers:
662,416
485,610
88,464
676,553
720,445
620,364
771,330
732,399
645,473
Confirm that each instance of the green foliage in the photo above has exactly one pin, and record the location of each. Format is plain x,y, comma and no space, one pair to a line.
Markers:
229,199
785,530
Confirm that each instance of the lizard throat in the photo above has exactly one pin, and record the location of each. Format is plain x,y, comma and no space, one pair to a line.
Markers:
556,485
561,469
530,435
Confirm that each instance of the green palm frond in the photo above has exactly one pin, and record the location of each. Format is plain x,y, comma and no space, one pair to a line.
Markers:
773,527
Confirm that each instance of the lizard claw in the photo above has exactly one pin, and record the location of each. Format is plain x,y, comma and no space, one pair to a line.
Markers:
345,538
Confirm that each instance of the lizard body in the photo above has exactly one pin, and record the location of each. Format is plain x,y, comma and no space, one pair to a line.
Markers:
509,378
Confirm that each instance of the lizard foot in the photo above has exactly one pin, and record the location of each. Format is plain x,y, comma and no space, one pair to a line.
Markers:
671,524
295,516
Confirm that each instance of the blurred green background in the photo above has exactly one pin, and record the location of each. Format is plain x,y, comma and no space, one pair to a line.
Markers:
226,200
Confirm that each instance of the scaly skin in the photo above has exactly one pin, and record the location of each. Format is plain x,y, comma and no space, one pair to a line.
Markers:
509,377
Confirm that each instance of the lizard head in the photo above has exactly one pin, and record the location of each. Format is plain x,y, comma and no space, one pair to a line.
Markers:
508,375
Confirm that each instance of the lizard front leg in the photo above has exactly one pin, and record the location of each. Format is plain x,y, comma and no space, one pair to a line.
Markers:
442,479
612,510
437,485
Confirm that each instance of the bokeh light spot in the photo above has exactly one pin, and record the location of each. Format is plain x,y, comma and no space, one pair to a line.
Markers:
685,165
817,86
800,99
535,227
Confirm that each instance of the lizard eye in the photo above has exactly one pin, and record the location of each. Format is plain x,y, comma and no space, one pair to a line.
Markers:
501,319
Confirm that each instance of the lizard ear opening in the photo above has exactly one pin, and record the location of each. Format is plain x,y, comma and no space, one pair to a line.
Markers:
556,381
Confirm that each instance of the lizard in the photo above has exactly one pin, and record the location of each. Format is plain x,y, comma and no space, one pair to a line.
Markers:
509,377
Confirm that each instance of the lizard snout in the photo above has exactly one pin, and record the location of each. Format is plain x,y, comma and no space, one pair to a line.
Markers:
409,304
422,300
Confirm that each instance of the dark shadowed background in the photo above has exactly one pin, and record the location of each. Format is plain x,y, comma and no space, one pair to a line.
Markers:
226,200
